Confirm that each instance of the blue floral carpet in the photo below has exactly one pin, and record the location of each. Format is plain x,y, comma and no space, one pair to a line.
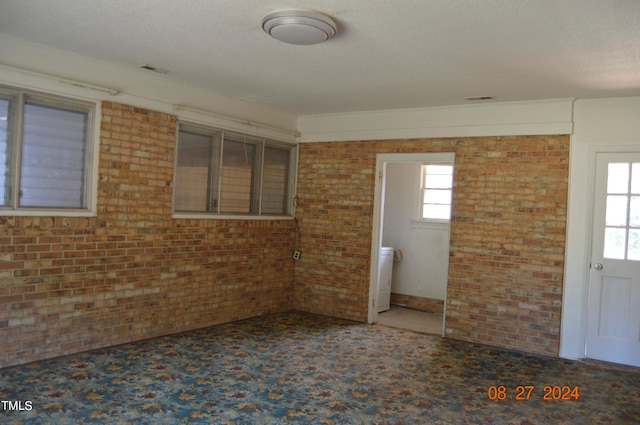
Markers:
298,368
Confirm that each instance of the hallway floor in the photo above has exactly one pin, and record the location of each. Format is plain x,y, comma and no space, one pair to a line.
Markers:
406,318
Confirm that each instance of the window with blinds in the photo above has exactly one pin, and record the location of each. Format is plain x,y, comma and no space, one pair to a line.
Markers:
230,174
275,180
44,152
5,177
239,177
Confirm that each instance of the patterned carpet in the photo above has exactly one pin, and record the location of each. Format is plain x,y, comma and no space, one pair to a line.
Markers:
297,368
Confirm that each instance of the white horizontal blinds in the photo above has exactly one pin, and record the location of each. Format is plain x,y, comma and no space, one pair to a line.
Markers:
219,172
275,178
436,191
53,157
5,170
195,185
237,177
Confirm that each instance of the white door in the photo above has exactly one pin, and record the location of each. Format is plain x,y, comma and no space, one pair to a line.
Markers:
613,318
385,271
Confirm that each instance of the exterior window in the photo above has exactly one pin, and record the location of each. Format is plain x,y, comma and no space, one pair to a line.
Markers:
224,173
436,189
45,152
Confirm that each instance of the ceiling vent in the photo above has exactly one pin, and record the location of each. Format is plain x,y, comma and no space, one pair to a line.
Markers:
472,98
302,27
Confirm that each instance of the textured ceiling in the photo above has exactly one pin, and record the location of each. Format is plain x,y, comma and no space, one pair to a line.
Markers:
387,54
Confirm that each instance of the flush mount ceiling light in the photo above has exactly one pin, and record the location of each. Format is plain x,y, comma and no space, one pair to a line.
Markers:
299,26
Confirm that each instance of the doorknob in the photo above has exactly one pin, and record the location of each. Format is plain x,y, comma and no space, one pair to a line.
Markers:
598,266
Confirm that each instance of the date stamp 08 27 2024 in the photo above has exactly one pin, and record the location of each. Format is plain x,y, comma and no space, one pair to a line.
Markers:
528,392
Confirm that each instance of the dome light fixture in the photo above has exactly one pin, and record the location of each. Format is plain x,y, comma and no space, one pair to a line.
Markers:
302,27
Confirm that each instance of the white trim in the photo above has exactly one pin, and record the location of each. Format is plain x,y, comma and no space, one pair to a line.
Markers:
493,119
259,127
64,81
601,125
49,84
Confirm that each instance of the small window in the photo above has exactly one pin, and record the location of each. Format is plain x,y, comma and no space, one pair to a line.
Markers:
231,174
45,152
436,189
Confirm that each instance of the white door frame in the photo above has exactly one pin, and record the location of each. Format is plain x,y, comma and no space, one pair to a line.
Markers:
573,331
601,350
378,217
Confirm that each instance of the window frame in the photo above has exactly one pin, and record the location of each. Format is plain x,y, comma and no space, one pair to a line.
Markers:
19,97
423,189
213,206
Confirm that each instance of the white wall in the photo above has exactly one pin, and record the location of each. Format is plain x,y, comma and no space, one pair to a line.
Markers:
423,269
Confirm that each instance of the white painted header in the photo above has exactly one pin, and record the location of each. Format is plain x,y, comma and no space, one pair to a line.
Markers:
493,119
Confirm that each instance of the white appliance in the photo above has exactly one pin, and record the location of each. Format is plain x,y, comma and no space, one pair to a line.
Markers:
385,270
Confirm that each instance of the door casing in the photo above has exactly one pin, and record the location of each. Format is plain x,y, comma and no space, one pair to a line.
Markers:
378,218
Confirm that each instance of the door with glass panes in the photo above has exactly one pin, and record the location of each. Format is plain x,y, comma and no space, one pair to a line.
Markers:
613,318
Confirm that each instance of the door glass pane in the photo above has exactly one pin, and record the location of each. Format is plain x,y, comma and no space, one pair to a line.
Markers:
618,180
633,252
635,178
4,152
616,210
634,214
614,243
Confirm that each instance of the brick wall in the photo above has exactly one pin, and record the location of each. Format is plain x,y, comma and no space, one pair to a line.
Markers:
133,272
507,234
418,303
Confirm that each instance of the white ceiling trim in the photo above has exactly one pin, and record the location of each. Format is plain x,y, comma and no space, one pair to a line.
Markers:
492,119
55,85
495,119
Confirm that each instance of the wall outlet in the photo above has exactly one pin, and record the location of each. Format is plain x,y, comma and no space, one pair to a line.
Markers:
296,255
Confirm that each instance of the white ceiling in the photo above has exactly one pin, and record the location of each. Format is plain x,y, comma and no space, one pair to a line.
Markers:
387,54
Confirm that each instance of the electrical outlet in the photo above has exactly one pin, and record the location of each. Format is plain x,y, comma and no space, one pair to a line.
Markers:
296,255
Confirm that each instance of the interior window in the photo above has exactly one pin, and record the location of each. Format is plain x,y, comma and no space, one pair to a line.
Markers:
45,152
223,173
436,190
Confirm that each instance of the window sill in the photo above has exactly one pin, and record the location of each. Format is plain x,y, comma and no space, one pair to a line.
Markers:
46,213
437,225
229,216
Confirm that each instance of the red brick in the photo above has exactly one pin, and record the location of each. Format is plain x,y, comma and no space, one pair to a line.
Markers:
134,272
510,195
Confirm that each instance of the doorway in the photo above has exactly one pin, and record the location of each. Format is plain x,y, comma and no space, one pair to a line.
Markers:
613,316
421,247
